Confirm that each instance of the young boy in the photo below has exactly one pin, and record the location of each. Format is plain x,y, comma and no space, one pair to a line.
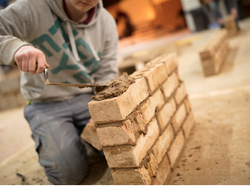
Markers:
77,41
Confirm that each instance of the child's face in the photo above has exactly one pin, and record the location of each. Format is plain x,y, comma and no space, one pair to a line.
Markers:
82,5
208,1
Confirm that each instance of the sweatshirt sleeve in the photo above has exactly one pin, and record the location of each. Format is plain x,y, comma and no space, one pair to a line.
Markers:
108,68
15,24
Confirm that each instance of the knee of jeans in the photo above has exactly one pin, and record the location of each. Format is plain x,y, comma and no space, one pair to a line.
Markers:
66,176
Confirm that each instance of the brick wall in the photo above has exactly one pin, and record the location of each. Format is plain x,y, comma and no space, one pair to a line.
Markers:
214,52
143,131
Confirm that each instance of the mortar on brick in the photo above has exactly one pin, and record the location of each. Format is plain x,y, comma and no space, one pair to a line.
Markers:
152,165
118,108
114,87
141,122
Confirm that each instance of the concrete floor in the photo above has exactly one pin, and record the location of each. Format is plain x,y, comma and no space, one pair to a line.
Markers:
217,151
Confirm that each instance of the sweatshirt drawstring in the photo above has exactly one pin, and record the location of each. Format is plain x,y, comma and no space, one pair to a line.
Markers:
91,46
72,41
73,44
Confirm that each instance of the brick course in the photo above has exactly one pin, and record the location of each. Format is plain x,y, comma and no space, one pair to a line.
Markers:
117,109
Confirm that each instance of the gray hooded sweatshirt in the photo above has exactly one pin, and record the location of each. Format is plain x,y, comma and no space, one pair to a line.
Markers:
76,53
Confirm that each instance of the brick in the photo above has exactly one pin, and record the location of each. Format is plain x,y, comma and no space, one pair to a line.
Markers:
212,64
118,108
138,176
176,148
117,135
179,117
170,85
188,124
180,93
166,113
162,173
132,156
187,105
204,54
152,165
139,74
208,67
156,60
217,61
162,145
171,63
149,107
156,76
89,134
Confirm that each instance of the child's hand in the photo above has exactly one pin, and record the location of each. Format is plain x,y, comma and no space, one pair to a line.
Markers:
30,59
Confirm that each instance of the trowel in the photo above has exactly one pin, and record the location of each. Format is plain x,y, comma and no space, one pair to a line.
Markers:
47,82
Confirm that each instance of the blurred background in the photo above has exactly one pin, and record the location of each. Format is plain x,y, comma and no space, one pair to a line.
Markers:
148,29
146,20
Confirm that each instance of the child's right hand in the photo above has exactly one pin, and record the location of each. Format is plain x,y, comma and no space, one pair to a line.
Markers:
30,59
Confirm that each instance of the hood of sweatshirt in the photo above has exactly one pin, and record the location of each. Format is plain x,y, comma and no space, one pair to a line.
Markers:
58,8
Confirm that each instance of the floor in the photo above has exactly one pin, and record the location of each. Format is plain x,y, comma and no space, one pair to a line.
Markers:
217,151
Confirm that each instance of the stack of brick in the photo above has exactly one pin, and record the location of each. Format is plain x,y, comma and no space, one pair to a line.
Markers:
143,131
230,25
10,95
214,52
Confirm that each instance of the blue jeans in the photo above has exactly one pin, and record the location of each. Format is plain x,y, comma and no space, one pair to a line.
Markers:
56,129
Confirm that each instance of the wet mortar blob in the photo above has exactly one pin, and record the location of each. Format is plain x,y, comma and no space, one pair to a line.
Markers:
113,88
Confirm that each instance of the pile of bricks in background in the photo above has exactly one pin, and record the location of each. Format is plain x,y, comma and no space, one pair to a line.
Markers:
230,25
10,95
143,131
214,52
